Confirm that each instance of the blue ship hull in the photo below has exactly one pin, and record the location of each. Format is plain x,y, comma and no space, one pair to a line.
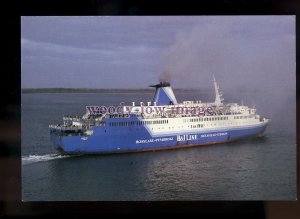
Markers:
107,140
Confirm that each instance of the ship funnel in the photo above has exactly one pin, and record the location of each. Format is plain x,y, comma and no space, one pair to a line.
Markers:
164,94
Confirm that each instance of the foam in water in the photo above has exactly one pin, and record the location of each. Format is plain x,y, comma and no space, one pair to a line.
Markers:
39,158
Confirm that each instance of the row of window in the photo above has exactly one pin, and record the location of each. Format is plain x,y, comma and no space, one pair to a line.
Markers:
152,122
191,127
206,119
243,117
132,123
198,126
216,118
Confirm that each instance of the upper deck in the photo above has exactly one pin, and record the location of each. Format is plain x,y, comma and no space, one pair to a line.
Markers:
163,113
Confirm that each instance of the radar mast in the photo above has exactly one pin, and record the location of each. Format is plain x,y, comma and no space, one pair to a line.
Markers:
219,98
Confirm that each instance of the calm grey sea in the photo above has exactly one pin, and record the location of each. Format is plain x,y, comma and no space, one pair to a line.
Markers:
257,169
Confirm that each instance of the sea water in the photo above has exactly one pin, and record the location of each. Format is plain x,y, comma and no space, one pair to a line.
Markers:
256,169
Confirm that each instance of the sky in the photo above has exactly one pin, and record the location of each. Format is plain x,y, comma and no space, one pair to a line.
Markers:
244,52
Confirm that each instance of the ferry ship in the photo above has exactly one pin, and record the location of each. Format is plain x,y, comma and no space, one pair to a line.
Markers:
161,124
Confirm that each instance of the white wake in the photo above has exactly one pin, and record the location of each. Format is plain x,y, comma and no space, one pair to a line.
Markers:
41,158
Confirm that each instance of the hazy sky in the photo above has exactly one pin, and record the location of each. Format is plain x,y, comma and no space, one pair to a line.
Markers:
134,52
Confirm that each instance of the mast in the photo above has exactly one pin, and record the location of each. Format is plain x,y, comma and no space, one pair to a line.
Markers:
219,98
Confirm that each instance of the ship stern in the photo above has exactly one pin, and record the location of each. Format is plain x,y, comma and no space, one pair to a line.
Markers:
56,142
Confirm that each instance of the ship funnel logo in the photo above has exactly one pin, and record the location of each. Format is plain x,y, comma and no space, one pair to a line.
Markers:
164,94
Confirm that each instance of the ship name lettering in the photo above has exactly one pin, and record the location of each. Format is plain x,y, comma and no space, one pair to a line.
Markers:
143,141
186,137
213,134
